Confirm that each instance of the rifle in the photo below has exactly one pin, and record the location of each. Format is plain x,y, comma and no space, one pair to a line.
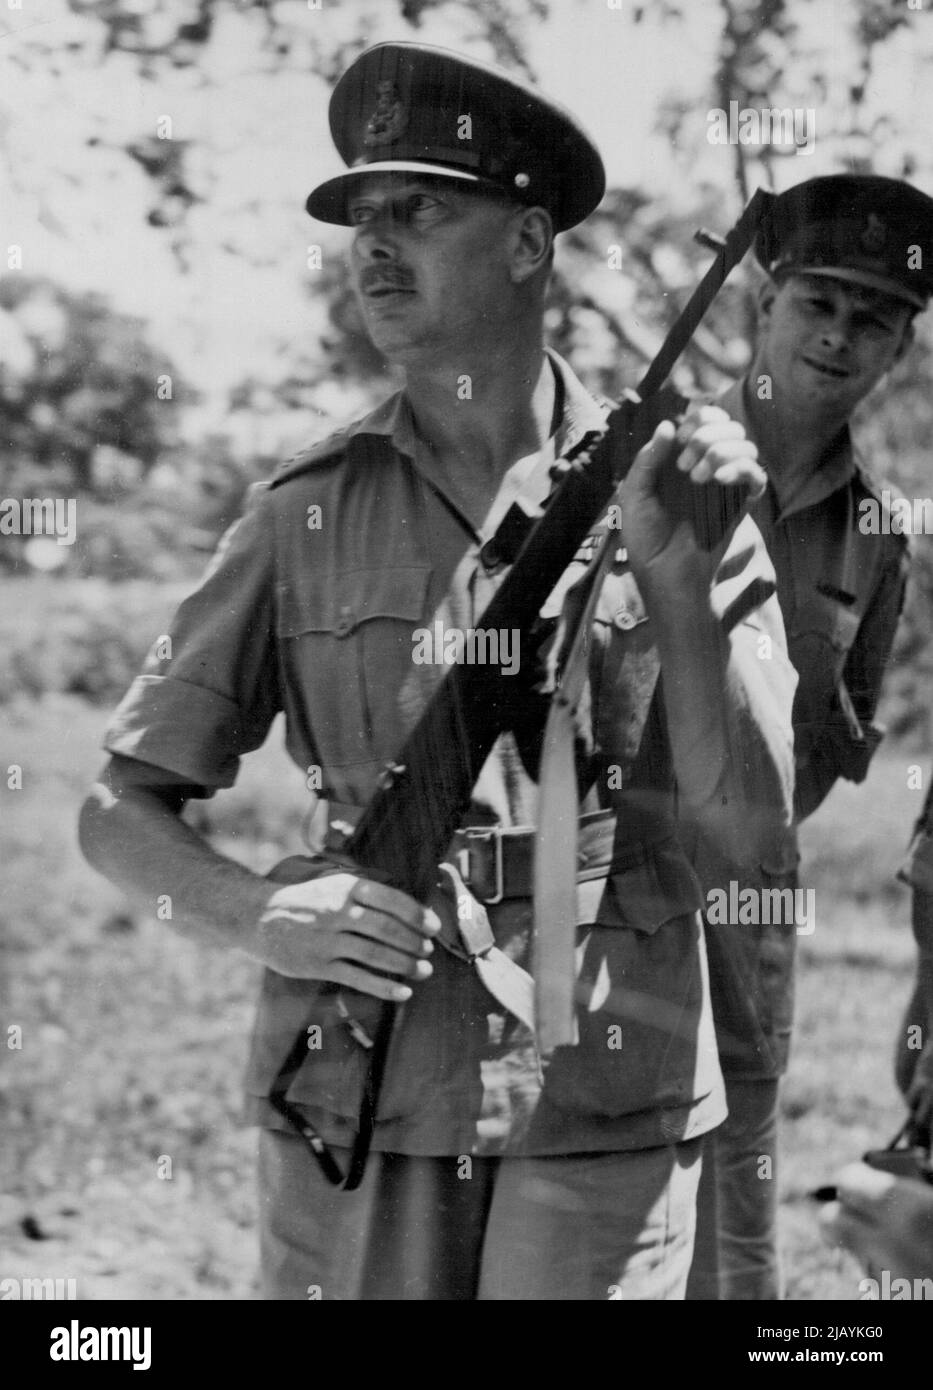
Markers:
420,798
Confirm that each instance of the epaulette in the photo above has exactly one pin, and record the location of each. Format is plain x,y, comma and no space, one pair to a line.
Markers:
326,454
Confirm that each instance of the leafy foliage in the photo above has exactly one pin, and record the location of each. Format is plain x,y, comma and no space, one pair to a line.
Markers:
79,402
156,482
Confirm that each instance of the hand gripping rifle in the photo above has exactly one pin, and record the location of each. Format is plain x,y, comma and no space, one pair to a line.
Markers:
407,826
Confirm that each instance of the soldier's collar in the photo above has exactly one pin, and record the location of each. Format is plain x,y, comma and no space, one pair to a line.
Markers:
581,415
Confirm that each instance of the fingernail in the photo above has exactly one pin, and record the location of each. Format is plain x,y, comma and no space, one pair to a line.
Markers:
424,968
401,992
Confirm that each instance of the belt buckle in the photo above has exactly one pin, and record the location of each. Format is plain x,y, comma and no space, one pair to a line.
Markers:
484,833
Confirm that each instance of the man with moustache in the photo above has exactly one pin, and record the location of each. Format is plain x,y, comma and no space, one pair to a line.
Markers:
849,262
484,1180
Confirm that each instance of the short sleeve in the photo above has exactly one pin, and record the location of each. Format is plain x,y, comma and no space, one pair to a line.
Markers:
762,681
209,688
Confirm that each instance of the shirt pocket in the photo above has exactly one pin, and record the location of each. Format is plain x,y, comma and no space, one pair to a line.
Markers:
433,1065
647,886
819,618
345,642
640,996
644,1023
820,636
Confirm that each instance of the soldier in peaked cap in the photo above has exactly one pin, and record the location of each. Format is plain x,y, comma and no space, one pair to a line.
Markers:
483,1181
849,262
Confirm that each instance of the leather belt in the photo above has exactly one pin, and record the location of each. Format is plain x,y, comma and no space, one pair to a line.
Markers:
496,862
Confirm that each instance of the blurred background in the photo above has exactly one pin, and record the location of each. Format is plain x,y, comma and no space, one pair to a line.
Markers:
172,325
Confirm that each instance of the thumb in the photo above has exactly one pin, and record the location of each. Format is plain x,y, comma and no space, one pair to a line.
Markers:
652,457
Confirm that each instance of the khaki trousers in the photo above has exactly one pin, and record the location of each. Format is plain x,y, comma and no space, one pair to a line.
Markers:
578,1227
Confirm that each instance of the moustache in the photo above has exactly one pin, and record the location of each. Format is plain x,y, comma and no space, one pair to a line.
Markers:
396,277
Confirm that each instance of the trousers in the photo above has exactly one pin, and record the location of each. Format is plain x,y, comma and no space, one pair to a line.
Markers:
576,1227
736,1254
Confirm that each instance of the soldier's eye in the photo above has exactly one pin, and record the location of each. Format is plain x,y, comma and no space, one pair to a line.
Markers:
870,324
361,212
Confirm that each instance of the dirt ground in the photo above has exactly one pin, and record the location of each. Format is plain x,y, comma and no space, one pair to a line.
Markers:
123,1164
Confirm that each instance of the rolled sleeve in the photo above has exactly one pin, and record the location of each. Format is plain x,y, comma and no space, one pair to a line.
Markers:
209,689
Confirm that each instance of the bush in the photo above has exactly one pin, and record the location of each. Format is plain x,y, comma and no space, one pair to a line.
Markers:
83,637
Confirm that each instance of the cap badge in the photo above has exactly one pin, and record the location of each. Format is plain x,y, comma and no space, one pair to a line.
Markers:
389,118
874,235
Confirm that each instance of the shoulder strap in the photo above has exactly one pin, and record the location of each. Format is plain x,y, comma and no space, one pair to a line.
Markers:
326,454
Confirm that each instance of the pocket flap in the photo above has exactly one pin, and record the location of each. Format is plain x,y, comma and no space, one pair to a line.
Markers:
827,617
340,602
656,888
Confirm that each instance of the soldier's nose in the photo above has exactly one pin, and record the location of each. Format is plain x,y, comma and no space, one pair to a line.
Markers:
374,241
834,336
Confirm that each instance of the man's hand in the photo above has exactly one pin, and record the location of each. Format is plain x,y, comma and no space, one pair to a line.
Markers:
712,446
884,1220
345,929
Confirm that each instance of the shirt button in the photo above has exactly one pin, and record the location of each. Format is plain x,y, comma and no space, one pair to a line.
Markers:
625,620
344,624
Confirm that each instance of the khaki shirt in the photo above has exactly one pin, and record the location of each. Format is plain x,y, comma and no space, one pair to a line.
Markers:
319,622
841,593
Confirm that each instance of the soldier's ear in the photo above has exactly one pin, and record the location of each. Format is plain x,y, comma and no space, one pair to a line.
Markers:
533,243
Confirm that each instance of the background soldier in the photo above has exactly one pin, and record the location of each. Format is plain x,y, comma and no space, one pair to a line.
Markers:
850,263
481,1181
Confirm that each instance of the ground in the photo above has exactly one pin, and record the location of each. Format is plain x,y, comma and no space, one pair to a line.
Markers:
124,1165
